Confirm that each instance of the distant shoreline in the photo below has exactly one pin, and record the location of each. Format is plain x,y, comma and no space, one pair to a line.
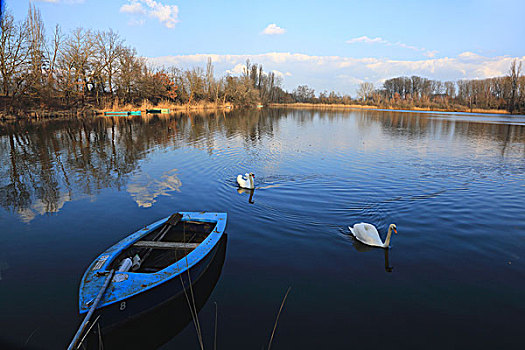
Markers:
207,106
173,107
57,113
412,109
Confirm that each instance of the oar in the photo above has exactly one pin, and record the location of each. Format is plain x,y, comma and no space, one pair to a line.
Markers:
172,221
77,336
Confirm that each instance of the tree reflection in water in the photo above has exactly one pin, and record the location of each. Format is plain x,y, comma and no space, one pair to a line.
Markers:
45,164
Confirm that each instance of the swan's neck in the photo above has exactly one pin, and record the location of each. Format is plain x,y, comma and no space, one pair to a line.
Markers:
388,235
250,181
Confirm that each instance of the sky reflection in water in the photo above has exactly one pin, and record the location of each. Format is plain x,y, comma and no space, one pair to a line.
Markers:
454,186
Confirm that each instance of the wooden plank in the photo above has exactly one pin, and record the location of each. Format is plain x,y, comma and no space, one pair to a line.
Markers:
199,222
165,245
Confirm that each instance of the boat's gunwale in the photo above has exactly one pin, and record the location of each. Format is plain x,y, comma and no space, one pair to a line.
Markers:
168,272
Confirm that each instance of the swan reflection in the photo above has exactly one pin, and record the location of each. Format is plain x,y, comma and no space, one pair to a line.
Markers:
249,192
361,247
3,266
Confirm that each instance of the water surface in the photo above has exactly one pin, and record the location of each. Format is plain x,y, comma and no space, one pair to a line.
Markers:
454,184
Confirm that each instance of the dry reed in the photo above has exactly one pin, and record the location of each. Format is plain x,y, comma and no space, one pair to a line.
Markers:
412,108
277,319
164,104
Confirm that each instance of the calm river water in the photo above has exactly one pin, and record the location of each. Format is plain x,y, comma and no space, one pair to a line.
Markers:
453,183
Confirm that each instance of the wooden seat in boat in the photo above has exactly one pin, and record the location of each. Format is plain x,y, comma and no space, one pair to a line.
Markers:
165,245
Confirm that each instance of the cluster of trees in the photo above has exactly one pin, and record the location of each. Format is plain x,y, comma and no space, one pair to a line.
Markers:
86,69
304,94
250,88
506,92
94,69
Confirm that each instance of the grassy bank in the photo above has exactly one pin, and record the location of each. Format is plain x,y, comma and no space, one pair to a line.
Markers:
83,112
173,107
356,106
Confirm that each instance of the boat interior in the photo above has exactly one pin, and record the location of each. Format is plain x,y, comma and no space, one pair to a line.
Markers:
162,247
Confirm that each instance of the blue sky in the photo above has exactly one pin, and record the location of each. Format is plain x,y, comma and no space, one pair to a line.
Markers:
329,45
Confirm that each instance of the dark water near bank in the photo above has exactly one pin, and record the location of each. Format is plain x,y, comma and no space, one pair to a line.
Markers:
453,184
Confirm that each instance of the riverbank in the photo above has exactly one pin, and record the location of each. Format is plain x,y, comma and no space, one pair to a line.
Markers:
356,106
87,112
173,107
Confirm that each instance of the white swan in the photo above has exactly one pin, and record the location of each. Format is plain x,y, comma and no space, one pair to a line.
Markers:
367,233
246,181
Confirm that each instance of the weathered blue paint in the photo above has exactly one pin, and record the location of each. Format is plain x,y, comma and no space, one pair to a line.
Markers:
131,286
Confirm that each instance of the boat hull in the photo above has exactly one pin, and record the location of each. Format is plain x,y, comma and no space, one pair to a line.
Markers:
116,314
165,320
132,293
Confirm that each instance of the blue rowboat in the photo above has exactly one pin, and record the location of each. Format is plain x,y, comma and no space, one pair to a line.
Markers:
122,113
117,114
165,320
151,266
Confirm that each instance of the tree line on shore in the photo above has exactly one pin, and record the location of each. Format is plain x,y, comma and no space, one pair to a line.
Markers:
498,93
94,69
87,69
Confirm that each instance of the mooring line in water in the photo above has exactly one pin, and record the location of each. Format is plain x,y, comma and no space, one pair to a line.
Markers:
193,308
100,343
215,336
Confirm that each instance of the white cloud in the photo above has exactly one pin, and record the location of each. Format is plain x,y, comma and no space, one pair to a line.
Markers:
273,29
133,8
430,53
345,73
277,73
166,14
237,70
62,1
136,21
144,189
366,40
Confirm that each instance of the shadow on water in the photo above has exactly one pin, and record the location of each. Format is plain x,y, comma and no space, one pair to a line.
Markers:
247,191
363,248
164,322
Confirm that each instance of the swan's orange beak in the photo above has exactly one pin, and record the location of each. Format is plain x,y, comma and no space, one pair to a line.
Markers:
395,231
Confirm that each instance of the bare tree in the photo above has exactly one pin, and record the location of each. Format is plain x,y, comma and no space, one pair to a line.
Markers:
195,82
12,54
36,51
365,91
74,62
450,89
128,77
303,93
210,80
513,75
51,57
109,46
